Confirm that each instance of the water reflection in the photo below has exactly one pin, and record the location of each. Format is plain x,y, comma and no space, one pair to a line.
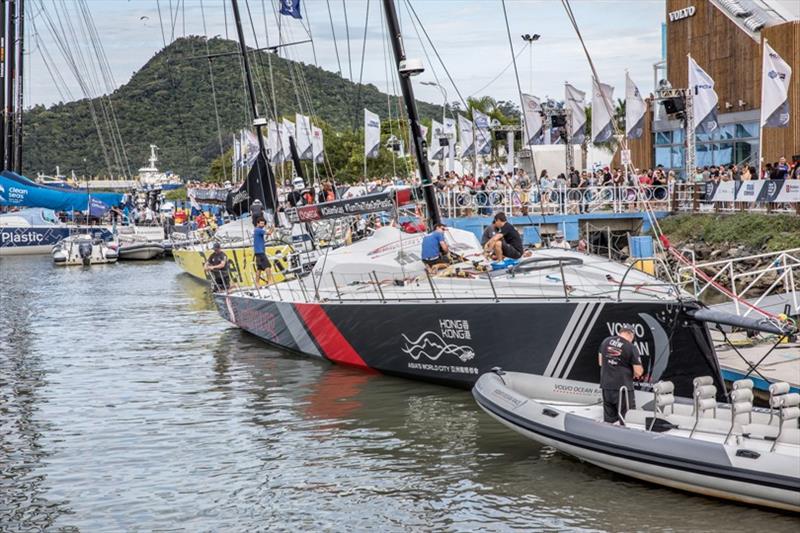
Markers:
127,403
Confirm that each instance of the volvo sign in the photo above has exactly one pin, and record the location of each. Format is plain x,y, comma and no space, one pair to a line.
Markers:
679,14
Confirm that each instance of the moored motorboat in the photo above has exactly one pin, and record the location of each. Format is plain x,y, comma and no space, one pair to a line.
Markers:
83,250
732,451
139,250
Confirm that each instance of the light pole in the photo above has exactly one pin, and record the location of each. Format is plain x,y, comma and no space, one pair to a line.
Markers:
444,117
530,39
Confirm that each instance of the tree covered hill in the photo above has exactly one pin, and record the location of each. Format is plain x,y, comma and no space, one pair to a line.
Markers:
168,102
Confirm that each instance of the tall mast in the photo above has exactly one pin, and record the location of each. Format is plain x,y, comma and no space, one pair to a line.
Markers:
3,5
434,216
258,122
10,76
20,72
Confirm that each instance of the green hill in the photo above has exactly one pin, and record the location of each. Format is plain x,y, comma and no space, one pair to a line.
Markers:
168,102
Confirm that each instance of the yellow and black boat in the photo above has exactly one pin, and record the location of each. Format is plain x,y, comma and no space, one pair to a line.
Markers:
192,260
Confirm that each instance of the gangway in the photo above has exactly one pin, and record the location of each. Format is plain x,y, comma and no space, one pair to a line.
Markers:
742,288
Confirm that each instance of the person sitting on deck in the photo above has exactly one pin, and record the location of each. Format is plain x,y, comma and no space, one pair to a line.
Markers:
559,242
434,248
507,242
217,267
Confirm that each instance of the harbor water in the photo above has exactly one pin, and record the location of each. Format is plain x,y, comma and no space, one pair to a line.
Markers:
127,403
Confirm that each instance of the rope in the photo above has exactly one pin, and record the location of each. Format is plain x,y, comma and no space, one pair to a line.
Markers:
214,95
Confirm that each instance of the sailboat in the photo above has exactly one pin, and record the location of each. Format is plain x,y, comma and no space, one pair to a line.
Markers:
374,304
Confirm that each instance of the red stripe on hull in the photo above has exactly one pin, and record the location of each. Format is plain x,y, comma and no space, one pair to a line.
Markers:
328,337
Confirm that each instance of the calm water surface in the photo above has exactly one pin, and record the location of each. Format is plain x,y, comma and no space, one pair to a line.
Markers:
126,403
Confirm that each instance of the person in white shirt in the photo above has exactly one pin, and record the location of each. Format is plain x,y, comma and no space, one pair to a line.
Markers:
559,242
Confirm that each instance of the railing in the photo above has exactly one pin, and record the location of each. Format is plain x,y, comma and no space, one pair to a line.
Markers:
755,196
553,200
726,278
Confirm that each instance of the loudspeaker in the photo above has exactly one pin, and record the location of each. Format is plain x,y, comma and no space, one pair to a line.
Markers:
443,141
559,121
674,105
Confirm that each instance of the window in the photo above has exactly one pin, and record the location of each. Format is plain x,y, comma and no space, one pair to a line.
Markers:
664,137
663,156
723,154
725,132
747,129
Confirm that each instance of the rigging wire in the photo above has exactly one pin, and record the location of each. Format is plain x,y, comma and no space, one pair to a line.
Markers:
361,73
213,93
333,33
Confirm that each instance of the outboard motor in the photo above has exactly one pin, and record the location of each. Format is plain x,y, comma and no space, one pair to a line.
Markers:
85,252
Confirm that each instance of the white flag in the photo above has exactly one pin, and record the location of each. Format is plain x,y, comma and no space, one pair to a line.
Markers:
635,110
274,142
237,153
573,99
317,146
704,99
483,137
303,139
435,148
466,136
287,130
776,75
372,134
602,112
534,125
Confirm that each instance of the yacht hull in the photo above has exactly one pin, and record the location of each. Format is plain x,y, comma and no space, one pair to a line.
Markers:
454,343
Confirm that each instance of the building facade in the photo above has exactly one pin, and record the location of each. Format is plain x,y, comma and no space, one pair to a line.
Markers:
725,38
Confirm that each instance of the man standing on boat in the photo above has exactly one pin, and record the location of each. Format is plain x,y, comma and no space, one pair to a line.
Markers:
260,252
217,267
620,363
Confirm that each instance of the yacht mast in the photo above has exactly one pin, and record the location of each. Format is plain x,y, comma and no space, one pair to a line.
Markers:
269,200
10,53
17,142
3,40
434,217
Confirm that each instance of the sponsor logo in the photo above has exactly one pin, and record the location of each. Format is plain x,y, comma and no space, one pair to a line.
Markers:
435,346
681,14
21,238
14,195
639,332
775,74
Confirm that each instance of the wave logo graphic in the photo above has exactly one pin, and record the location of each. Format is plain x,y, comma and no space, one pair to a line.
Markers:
432,346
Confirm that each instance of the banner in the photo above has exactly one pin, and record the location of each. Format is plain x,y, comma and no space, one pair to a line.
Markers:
466,136
483,137
287,130
635,110
704,99
19,191
435,149
303,139
97,208
749,191
534,125
274,144
450,131
372,134
776,75
602,112
573,100
317,145
722,191
360,205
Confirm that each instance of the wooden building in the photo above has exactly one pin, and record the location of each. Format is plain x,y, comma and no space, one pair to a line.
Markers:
725,38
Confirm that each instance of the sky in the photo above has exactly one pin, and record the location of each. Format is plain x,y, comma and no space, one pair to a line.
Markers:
470,36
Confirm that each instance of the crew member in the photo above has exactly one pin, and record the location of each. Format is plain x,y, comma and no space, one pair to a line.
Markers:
263,263
620,363
256,211
217,267
559,242
507,242
295,197
434,248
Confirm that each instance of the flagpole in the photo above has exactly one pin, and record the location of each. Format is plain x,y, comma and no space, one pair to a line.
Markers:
761,115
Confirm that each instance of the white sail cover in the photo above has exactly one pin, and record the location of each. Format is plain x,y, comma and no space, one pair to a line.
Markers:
534,125
602,112
435,149
776,75
635,109
483,137
466,136
573,99
274,143
388,254
317,145
704,99
372,134
303,139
